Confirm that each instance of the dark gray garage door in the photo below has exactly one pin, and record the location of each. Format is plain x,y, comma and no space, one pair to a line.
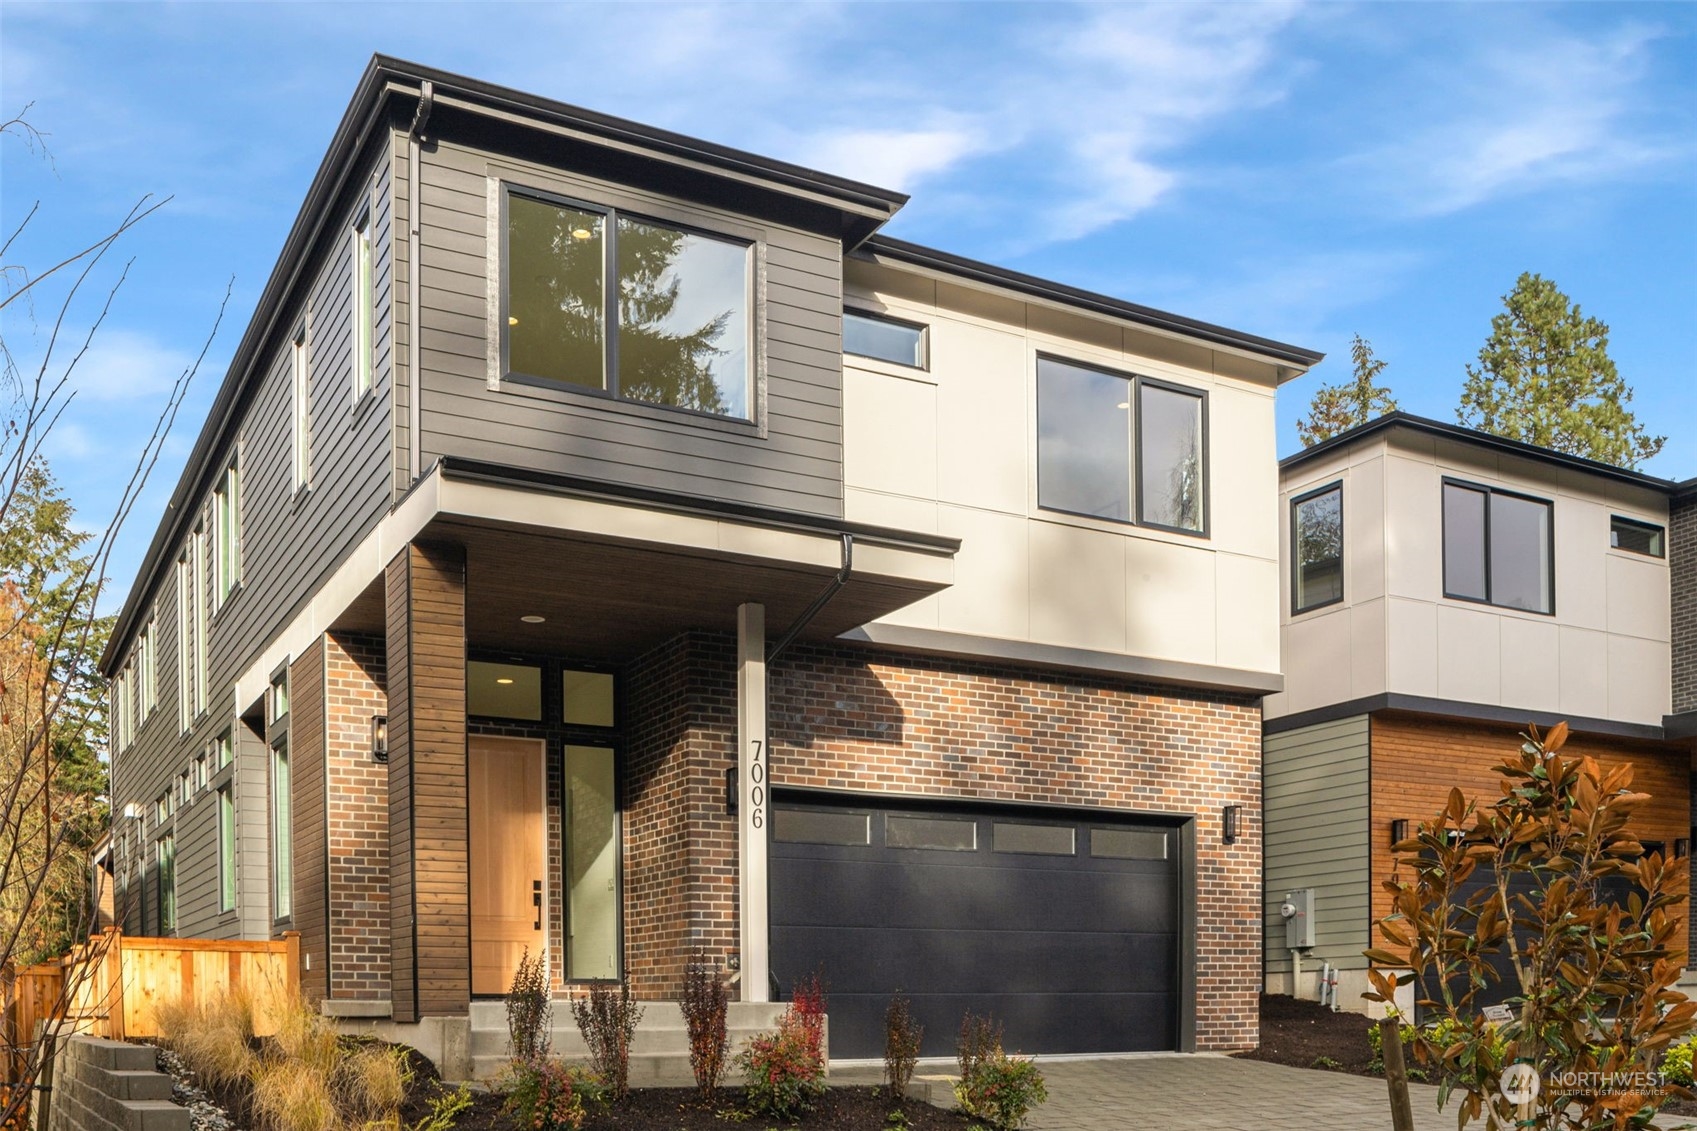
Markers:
1066,930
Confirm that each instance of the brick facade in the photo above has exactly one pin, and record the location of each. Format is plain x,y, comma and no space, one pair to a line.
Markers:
1417,759
358,819
855,719
1682,552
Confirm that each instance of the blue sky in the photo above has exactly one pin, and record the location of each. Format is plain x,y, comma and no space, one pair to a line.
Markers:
1302,171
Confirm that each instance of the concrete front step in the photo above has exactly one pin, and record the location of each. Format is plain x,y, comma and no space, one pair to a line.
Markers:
659,1051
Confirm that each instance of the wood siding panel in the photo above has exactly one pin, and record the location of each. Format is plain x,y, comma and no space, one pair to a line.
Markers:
796,464
308,776
429,905
1315,797
1417,760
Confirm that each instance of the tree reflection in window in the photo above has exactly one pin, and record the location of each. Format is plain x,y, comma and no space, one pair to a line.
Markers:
682,332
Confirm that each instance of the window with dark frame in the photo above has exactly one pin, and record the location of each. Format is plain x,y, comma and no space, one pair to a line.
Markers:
1637,537
1121,447
1316,538
1498,547
883,338
629,307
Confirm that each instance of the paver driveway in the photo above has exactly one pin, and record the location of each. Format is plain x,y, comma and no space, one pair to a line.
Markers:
1204,1093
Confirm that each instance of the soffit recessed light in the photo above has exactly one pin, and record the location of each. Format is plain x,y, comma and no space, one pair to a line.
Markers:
532,618
503,679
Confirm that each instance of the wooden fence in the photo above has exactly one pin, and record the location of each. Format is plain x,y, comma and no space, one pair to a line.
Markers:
111,985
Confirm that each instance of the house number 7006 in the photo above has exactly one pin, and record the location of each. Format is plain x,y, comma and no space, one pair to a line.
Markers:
757,786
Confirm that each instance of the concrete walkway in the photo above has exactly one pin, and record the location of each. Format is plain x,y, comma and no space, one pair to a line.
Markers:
1201,1093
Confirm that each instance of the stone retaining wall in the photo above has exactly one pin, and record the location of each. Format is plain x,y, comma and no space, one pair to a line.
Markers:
101,1085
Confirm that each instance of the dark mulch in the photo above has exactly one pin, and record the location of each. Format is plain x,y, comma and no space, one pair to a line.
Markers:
1305,1034
682,1109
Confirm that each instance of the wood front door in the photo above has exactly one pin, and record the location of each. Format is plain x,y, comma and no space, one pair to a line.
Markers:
506,791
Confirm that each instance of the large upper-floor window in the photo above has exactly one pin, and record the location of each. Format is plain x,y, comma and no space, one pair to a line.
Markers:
1498,548
1120,447
606,302
883,338
365,308
1316,540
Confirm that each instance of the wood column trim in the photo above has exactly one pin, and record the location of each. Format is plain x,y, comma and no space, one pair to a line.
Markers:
429,905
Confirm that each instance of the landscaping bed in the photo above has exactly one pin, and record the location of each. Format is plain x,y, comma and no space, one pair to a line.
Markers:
1306,1034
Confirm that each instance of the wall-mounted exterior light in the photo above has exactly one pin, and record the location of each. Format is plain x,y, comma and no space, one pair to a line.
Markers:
1230,822
1399,831
730,791
1681,847
380,738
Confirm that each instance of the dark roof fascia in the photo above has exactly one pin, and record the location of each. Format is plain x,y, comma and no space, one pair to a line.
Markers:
362,115
1681,726
387,77
1484,440
466,470
1685,492
942,261
1457,709
857,195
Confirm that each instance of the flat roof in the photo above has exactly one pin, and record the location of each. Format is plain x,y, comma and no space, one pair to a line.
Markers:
1484,440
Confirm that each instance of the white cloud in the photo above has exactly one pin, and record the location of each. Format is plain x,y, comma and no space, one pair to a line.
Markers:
127,365
894,158
1541,109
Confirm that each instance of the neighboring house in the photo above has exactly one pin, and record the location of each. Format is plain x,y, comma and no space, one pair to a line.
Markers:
1444,589
670,564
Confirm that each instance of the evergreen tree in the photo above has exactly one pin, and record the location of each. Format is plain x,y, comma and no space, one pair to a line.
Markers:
1545,377
1338,408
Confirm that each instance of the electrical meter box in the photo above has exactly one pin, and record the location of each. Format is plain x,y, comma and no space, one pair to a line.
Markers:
1299,921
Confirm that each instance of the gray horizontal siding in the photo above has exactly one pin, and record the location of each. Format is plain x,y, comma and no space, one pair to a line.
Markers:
796,464
290,543
1315,802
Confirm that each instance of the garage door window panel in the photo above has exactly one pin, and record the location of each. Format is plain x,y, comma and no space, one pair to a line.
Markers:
937,833
815,826
1034,840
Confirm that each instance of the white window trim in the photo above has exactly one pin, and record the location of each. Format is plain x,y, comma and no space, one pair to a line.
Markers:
364,306
300,378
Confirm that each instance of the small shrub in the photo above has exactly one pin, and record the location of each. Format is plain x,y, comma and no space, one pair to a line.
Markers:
1001,1090
1676,1062
290,1095
444,1110
546,1095
1327,1062
902,1037
608,1020
785,1071
529,1009
706,1001
979,1039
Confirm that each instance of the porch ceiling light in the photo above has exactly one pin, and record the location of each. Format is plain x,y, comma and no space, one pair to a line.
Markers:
532,618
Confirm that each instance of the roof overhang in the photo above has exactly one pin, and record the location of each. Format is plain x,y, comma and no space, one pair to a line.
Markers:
1408,422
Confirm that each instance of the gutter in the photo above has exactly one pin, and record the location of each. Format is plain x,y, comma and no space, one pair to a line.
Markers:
831,590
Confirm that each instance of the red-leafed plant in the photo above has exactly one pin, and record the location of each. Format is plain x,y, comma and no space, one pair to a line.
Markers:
706,1001
1592,998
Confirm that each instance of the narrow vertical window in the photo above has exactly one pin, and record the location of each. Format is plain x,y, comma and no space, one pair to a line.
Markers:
167,883
365,308
226,850
185,633
282,833
302,397
227,534
149,669
1316,521
198,582
224,750
1169,457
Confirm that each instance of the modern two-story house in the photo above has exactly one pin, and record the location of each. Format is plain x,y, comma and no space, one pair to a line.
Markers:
606,544
1443,590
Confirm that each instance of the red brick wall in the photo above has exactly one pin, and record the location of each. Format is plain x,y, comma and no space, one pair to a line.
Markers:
358,815
869,721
